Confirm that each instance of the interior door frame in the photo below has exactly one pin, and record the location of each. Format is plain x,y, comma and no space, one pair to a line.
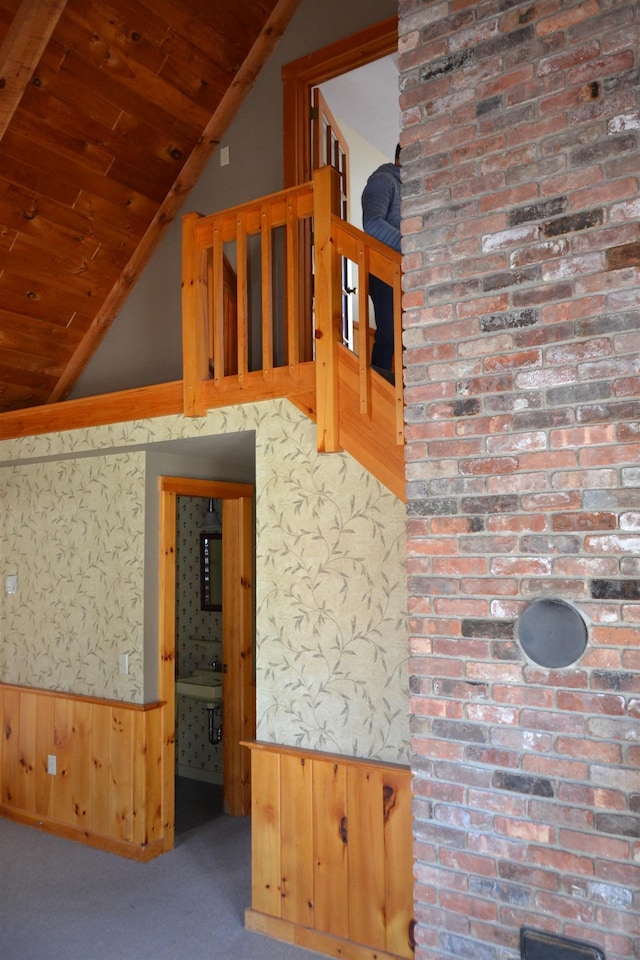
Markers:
238,638
298,80
300,76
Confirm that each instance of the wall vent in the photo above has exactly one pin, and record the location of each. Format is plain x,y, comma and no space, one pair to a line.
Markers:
539,945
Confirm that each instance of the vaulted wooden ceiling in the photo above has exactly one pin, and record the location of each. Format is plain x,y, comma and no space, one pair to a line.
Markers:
109,111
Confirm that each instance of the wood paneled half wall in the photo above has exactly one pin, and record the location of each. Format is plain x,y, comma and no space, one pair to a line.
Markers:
106,790
332,862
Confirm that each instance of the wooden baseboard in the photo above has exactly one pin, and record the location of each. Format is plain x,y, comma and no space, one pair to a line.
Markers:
300,936
123,848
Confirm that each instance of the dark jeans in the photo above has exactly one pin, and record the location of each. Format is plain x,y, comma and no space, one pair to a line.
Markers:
382,296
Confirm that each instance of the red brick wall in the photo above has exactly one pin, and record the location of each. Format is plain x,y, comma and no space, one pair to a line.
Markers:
521,131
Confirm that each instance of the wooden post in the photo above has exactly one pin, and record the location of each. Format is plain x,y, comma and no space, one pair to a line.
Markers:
328,314
195,359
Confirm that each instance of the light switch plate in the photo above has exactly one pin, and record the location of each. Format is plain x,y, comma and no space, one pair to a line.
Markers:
11,583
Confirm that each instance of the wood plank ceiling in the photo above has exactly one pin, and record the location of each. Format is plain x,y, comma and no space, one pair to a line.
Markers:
109,111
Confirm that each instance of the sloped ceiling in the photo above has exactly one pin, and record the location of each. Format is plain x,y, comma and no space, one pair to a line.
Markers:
109,111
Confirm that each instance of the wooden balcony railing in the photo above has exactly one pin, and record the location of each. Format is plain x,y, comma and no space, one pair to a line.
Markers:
263,318
279,328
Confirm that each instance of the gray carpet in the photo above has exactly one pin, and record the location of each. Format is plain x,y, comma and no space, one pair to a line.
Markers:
60,900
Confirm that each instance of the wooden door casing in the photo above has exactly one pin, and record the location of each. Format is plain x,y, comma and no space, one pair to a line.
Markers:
237,627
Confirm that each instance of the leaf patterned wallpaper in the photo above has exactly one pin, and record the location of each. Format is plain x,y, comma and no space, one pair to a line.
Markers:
331,600
73,531
331,634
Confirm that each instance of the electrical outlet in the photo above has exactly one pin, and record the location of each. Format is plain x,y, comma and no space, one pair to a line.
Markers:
51,764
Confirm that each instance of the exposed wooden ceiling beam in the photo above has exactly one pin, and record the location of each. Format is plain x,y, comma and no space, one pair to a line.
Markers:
21,49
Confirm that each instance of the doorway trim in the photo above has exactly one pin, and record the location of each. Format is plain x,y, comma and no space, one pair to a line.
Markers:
300,76
237,630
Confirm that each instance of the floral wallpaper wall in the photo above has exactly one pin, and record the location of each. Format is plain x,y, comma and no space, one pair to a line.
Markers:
331,637
331,600
73,532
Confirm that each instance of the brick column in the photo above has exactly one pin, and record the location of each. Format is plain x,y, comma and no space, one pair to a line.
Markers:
521,210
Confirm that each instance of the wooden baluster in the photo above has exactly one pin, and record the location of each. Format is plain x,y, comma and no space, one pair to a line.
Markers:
328,318
292,328
266,257
195,354
216,299
364,338
397,356
243,298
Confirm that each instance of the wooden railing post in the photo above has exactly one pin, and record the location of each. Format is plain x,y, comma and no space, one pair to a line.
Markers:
328,306
195,355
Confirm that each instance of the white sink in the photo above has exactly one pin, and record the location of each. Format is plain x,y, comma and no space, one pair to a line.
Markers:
201,685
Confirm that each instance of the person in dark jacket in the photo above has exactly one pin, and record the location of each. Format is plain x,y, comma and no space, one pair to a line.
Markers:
381,219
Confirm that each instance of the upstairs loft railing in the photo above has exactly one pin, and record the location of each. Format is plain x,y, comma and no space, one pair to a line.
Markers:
264,305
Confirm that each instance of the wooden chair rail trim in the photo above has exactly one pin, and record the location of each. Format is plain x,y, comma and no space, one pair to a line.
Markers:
281,748
84,698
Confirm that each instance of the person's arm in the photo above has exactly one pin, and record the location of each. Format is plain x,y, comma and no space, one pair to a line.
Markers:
377,197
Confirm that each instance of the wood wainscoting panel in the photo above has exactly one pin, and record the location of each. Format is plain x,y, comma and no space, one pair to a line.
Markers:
332,853
107,788
265,832
296,851
331,878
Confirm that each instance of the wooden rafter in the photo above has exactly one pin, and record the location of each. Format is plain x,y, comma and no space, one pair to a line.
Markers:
20,53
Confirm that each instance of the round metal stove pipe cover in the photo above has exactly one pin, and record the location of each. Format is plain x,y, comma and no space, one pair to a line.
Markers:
552,633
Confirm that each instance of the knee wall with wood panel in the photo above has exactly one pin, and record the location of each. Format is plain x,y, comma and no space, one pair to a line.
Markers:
332,853
107,787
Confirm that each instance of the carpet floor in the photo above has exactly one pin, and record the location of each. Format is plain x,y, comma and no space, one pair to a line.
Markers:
60,900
